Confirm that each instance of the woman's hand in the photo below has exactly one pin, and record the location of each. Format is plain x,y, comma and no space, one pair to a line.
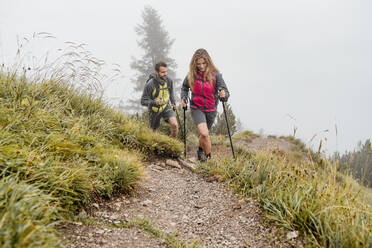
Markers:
184,104
221,94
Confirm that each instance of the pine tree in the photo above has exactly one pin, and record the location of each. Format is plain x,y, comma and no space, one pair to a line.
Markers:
220,126
359,162
156,43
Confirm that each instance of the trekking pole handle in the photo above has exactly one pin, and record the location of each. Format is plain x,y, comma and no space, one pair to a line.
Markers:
185,101
222,99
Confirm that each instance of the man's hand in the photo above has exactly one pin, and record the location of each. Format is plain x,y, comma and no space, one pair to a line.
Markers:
174,106
159,101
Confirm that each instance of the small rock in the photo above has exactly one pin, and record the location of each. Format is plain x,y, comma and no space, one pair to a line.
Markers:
157,170
114,217
146,203
159,167
161,164
193,160
96,205
83,213
199,221
172,163
189,166
292,235
151,190
100,231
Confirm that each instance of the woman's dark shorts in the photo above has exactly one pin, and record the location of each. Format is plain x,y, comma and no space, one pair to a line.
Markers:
154,118
200,117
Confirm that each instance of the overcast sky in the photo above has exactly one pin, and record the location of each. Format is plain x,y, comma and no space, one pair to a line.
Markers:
310,59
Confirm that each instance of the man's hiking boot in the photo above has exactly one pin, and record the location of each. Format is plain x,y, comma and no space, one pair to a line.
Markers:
201,155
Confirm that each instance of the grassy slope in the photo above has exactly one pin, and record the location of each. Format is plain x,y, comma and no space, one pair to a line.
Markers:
329,208
58,149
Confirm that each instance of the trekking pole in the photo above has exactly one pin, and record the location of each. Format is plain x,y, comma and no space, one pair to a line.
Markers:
178,117
184,128
227,124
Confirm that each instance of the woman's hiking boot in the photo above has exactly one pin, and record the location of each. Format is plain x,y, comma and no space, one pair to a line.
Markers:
201,155
208,156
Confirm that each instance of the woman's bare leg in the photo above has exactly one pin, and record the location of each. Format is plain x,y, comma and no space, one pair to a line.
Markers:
204,139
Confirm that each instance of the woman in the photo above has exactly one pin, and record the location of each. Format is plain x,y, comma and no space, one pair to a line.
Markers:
207,87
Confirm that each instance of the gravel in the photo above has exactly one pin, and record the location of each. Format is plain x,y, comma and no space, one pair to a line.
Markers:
177,201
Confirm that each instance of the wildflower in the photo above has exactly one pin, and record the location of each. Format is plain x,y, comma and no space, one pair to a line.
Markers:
25,102
116,167
116,156
58,148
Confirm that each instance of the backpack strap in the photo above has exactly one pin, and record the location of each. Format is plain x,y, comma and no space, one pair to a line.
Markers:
158,88
151,77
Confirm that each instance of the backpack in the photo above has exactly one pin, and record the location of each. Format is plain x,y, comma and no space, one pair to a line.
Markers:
156,93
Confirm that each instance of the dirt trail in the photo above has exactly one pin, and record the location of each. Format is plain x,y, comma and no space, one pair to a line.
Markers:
177,201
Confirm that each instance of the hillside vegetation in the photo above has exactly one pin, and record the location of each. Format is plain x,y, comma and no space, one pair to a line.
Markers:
60,148
329,208
358,162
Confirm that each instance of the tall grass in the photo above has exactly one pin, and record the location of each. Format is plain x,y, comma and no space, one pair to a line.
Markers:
329,208
27,215
60,147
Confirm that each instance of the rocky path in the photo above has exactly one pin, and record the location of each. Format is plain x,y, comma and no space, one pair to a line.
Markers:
175,207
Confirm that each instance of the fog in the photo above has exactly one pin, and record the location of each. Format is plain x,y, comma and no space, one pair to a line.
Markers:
287,64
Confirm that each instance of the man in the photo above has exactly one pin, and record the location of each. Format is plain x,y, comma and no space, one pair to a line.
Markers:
156,95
